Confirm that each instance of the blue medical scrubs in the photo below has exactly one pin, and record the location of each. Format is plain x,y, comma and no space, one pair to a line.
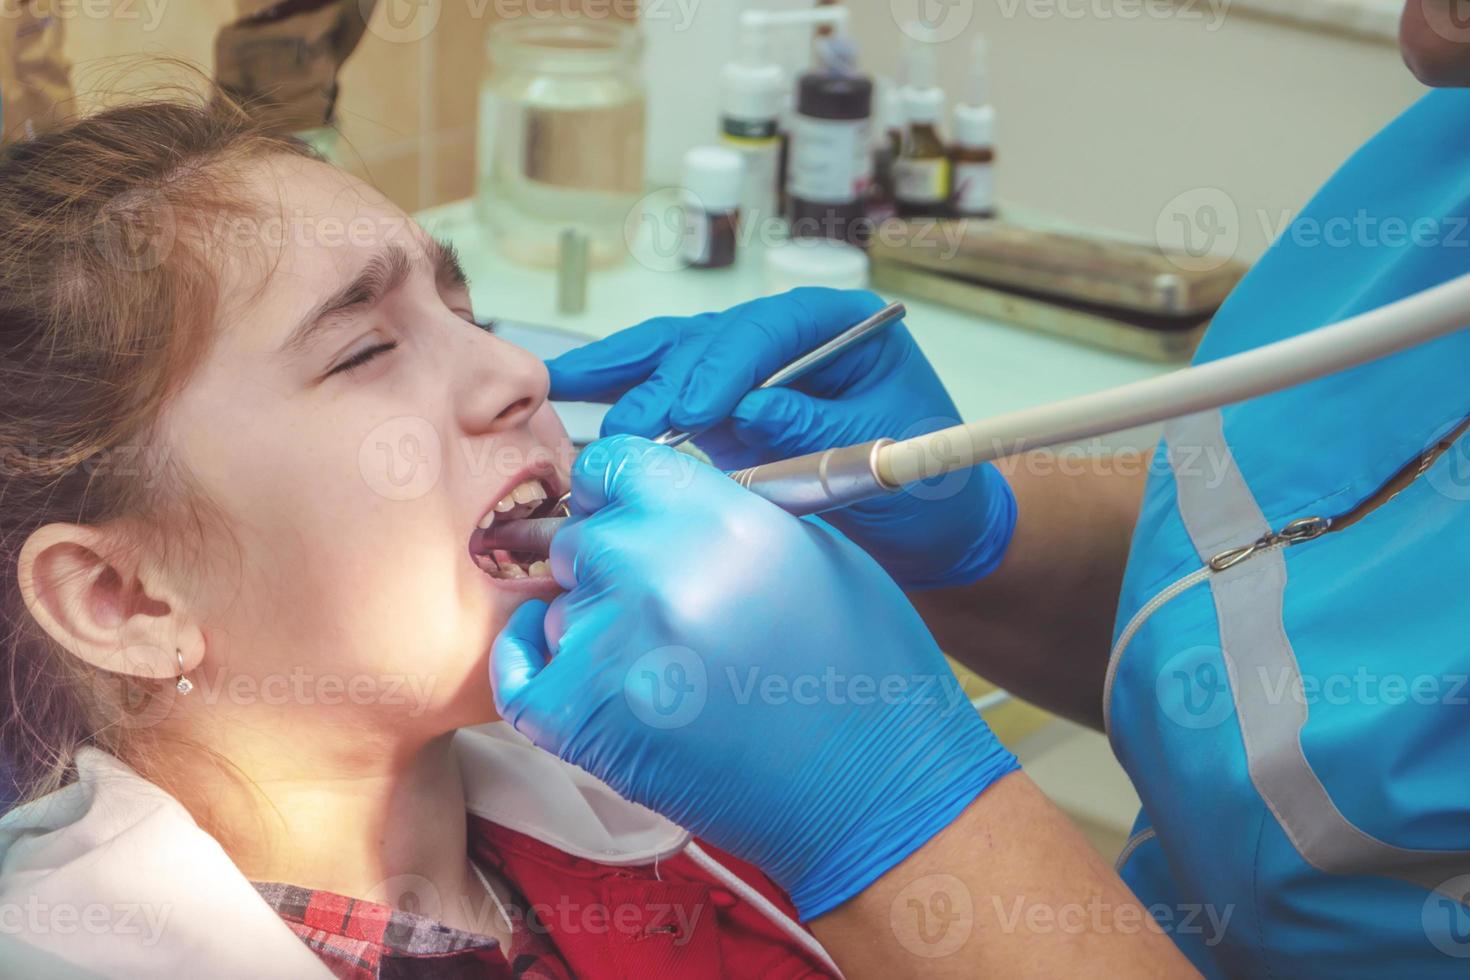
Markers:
1298,723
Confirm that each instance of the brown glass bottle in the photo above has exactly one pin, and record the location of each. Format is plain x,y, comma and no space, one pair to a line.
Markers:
921,175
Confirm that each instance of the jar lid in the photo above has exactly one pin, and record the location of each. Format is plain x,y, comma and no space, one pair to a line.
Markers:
815,262
715,177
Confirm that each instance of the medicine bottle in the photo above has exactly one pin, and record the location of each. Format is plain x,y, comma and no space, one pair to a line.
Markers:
921,175
973,155
714,180
831,165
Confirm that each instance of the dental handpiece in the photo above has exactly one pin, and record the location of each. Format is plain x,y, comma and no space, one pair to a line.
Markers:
836,478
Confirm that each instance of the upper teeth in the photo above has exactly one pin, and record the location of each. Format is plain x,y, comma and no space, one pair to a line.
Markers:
528,493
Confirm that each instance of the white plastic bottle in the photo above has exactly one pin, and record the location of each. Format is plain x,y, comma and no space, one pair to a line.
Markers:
752,93
974,143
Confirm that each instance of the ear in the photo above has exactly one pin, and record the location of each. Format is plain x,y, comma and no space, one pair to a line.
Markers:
79,584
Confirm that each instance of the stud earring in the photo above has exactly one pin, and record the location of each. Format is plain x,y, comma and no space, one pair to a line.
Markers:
184,685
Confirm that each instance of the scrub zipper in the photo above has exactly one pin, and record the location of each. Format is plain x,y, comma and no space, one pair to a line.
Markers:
1299,531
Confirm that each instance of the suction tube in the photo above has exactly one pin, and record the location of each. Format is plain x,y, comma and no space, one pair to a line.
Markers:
803,485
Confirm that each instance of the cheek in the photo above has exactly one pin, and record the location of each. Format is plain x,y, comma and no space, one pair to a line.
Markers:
548,431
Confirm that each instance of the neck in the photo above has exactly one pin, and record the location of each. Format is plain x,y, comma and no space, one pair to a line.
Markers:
377,822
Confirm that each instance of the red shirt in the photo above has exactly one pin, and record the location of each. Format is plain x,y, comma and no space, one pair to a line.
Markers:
570,918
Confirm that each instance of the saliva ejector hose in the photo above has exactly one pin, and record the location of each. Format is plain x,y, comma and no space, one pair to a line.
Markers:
835,478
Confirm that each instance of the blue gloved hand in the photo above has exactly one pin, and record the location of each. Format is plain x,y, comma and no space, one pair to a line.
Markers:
753,677
697,374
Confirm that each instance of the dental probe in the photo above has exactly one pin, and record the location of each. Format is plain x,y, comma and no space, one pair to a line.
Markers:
809,362
835,478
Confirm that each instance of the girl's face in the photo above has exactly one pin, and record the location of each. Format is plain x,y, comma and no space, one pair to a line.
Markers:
352,427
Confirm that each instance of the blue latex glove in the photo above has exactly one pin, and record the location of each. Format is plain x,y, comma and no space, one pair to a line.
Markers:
753,677
698,373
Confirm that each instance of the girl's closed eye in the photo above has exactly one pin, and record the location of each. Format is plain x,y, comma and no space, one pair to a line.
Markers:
362,357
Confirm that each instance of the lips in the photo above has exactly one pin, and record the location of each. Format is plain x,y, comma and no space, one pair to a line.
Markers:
530,495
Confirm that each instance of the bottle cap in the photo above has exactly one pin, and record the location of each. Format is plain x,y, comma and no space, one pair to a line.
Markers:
715,177
974,126
923,105
815,262
752,93
825,96
754,84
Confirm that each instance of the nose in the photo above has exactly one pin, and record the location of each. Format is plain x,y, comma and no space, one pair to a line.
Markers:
501,386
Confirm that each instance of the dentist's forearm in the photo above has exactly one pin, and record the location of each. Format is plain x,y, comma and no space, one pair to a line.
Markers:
1010,889
1040,626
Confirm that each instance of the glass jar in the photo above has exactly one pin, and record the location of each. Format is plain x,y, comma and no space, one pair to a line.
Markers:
561,137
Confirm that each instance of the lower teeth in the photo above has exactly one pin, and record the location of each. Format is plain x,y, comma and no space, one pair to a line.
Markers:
509,569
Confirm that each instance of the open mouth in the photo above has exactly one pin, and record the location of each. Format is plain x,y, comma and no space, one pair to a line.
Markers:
532,497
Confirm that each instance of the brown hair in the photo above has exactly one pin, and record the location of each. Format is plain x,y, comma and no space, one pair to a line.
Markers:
107,303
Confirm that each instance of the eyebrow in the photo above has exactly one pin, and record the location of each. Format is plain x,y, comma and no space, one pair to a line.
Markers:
383,273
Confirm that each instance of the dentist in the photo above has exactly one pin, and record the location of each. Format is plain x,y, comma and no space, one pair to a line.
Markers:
1267,621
